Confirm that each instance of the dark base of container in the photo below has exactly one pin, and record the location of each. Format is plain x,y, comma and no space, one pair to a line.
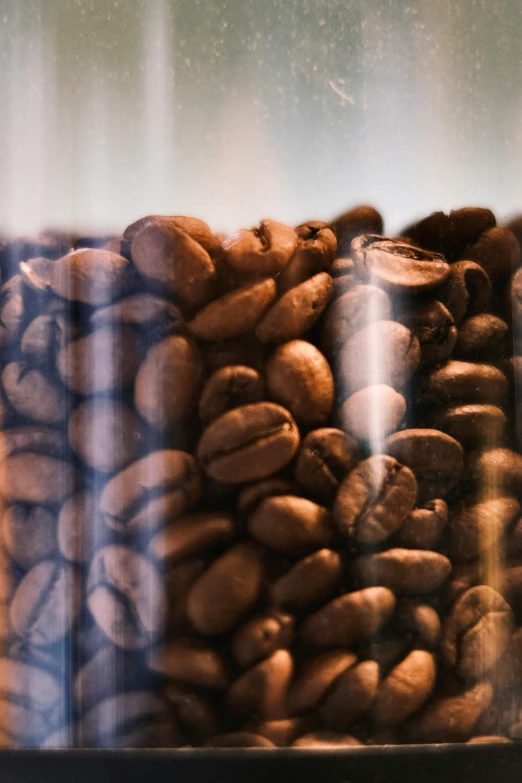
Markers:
419,764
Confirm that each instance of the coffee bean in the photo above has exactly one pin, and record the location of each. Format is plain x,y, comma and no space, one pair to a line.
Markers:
108,722
470,423
91,276
110,671
261,636
482,337
325,739
356,221
488,740
29,534
299,378
253,494
497,468
248,443
197,229
226,591
350,696
433,325
349,618
191,534
196,714
239,739
33,438
478,527
452,718
405,571
29,695
384,352
316,677
261,251
432,232
126,597
152,314
179,581
374,499
290,525
245,350
464,381
420,621
370,414
396,266
297,310
262,690
497,251
227,388
36,273
312,579
314,254
34,394
235,313
343,276
12,310
282,732
469,223
79,527
162,485
475,633
424,526
405,689
43,338
105,434
51,480
189,663
466,291
435,458
355,309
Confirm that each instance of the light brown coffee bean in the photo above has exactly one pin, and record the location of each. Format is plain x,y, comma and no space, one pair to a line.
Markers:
325,457
312,579
349,618
192,534
325,739
424,526
466,291
28,533
105,434
261,636
194,227
373,413
314,254
316,677
261,251
152,314
92,276
51,480
350,696
248,443
452,718
489,740
405,689
227,590
34,394
433,325
290,525
405,571
189,663
263,690
79,527
296,311
478,527
235,313
299,378
227,388
354,310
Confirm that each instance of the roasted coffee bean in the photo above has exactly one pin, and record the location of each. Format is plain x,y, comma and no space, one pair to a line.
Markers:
189,663
28,534
314,254
386,653
488,740
44,337
464,381
35,395
296,311
343,276
374,499
263,690
152,314
469,223
325,739
261,636
373,413
227,590
36,273
356,221
92,276
325,457
29,477
290,525
12,310
46,603
299,378
405,689
235,313
173,262
37,439
227,388
196,714
396,266
349,618
194,227
405,571
419,621
261,251
478,527
470,423
79,527
126,597
435,458
239,739
29,697
496,250
253,494
168,382
466,291
105,434
191,535
476,632
350,696
498,468
435,329
452,718
482,337
162,485
316,677
101,361
111,670
384,352
248,443
179,581
245,350
312,579
357,308
123,720
424,526
282,732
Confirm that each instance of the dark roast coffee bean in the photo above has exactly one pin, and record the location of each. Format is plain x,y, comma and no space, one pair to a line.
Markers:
191,535
464,381
384,352
312,579
261,251
374,499
12,310
314,254
356,221
325,457
179,580
239,739
370,414
35,395
33,438
248,443
435,329
496,250
152,314
101,361
466,291
36,273
262,690
299,378
189,663
162,485
105,434
290,525
498,468
482,337
405,571
316,677
325,739
432,232
435,458
357,308
196,714
424,526
79,527
350,696
110,671
126,597
253,494
470,423
478,527
396,266
452,717
235,313
469,223
28,534
226,591
46,603
168,382
297,310
420,622
227,388
343,276
405,689
261,636
475,633
92,276
349,618
36,478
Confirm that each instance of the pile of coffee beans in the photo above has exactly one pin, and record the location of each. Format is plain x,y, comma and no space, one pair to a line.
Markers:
262,490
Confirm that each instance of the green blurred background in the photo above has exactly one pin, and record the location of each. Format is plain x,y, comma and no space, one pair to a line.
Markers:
237,109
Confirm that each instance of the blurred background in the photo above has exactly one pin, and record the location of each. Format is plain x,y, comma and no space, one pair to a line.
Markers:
234,110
